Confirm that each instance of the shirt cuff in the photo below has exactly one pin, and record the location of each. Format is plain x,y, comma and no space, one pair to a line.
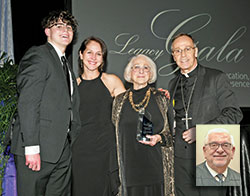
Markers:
30,150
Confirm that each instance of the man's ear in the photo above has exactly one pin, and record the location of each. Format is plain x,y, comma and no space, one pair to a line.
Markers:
204,151
174,58
47,31
233,151
196,52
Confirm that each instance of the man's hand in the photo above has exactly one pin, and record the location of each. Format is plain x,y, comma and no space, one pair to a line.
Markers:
33,162
189,135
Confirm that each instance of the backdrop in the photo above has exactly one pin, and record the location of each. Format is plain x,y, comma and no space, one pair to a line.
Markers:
220,29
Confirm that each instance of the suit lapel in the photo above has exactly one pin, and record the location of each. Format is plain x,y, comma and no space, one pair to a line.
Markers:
198,92
55,58
58,66
172,89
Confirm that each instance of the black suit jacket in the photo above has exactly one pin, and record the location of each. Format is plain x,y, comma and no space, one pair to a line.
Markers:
44,104
215,103
205,178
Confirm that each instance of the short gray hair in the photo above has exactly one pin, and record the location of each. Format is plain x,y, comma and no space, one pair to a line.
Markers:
218,130
151,64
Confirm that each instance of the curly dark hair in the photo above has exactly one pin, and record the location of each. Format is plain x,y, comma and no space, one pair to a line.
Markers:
63,15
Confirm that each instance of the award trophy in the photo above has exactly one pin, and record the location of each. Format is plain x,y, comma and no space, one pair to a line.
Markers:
144,126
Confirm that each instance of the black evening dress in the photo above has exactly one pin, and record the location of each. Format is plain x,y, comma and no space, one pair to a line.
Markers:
94,163
143,163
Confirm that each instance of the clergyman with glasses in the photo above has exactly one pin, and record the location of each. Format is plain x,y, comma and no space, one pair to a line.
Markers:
48,118
199,95
218,150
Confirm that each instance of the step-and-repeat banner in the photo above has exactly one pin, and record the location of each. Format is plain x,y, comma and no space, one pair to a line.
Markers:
130,27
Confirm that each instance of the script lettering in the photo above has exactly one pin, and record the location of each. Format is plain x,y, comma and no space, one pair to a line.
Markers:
235,54
227,51
130,40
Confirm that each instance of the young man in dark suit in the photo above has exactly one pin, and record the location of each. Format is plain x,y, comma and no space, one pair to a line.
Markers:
48,119
199,95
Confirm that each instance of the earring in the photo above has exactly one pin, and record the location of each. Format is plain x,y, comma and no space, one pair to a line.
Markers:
101,66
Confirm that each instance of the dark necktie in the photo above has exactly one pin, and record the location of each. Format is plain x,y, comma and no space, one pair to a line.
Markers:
66,72
220,177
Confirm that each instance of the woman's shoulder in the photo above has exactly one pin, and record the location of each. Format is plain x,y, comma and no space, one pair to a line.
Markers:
110,77
157,92
160,95
113,83
121,96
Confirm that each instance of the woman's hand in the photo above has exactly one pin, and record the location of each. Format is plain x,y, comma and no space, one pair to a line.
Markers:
154,139
166,92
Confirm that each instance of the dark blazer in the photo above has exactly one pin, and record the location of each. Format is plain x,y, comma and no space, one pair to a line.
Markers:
215,102
204,177
44,104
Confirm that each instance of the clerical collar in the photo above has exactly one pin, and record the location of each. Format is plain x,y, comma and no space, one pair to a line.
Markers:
214,173
191,73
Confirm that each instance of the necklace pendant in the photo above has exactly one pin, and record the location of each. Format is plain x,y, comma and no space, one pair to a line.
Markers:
186,120
142,111
186,108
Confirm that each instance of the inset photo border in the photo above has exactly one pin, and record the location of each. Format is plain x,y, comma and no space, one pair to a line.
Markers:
201,133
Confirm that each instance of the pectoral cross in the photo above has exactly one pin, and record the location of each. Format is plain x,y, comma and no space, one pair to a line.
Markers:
186,119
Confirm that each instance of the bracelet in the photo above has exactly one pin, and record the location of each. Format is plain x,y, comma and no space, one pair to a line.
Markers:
161,140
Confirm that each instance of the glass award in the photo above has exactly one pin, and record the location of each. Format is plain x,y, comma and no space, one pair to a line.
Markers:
144,126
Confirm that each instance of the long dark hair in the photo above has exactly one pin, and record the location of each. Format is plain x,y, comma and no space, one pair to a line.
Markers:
83,47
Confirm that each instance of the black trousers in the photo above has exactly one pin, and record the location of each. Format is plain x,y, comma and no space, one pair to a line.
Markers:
54,179
185,180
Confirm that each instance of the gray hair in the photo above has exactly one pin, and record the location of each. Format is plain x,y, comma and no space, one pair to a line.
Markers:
219,130
151,64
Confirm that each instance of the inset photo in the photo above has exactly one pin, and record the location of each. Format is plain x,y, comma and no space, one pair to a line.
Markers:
218,155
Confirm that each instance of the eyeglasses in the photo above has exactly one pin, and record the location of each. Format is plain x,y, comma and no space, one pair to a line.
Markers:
187,50
137,68
215,146
62,27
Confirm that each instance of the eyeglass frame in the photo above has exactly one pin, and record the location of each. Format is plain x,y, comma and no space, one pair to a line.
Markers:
68,27
218,145
137,68
178,52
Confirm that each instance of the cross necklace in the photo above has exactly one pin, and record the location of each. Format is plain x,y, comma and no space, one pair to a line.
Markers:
186,108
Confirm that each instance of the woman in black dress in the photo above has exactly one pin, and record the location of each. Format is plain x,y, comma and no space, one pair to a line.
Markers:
145,163
94,163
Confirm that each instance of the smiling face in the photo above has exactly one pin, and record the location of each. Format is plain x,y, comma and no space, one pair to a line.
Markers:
92,56
218,159
141,72
184,53
60,35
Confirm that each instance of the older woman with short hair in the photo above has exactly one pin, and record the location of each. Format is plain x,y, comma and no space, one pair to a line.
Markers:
144,141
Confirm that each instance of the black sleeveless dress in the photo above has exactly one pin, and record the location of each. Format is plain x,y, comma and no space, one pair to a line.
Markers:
94,163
